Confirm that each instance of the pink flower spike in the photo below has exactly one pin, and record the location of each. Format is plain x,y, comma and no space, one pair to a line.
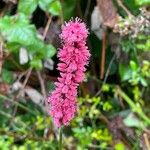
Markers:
74,57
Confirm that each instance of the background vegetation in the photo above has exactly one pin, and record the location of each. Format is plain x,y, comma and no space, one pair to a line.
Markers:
114,99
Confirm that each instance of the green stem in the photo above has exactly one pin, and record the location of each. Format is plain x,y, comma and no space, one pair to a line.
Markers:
60,138
136,108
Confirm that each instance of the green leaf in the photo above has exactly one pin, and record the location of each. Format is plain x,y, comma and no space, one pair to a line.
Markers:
50,51
142,2
119,146
27,7
36,63
68,8
17,29
44,4
131,5
133,65
7,76
51,6
55,8
143,82
125,72
18,33
132,121
13,47
105,87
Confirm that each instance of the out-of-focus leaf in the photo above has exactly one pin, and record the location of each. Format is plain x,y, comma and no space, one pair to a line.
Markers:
50,51
7,76
44,4
132,121
68,8
133,65
36,63
143,82
119,146
131,5
27,7
142,2
125,72
53,7
19,33
13,47
17,29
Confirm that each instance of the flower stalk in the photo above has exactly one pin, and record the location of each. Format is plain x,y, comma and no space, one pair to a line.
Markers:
60,138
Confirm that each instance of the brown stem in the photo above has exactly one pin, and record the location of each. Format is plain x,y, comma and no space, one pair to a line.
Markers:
102,66
146,141
18,95
24,83
41,80
104,119
47,27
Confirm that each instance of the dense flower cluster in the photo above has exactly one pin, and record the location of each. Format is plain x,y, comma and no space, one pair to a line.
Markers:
73,56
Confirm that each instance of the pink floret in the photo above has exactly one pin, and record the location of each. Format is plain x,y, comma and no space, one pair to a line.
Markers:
74,31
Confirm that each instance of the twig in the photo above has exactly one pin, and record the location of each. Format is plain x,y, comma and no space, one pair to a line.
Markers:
47,27
84,89
102,117
97,147
17,103
102,66
109,67
18,95
15,120
107,73
15,63
60,138
1,56
120,3
42,84
21,75
22,136
87,9
146,141
24,83
61,13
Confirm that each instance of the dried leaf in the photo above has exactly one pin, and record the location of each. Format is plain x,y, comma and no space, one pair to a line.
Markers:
108,12
16,86
4,88
96,23
23,56
49,64
34,95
